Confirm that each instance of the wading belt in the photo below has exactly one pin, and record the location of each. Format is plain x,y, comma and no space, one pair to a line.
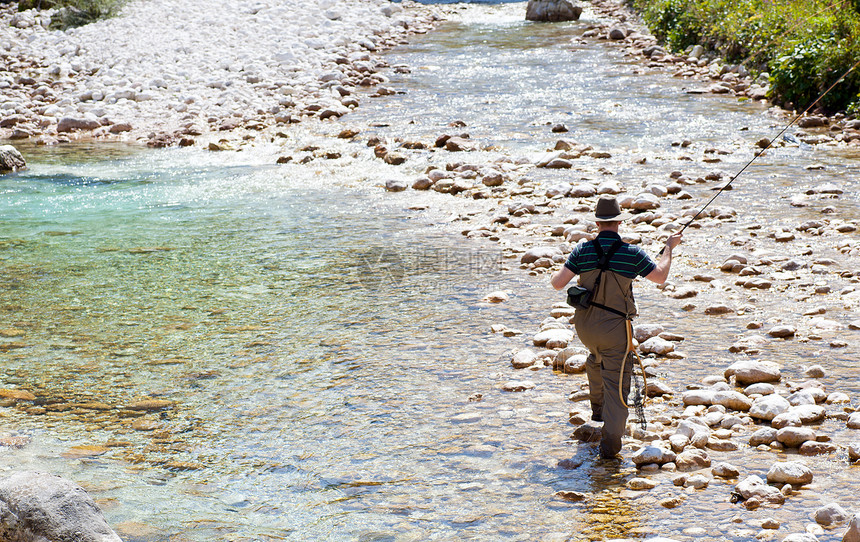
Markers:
603,260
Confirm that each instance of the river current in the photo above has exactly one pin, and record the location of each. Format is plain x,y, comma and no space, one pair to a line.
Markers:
323,341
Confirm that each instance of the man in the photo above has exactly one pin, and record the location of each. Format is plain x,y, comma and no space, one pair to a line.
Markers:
604,327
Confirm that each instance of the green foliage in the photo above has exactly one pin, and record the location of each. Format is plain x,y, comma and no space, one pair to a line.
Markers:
806,45
74,13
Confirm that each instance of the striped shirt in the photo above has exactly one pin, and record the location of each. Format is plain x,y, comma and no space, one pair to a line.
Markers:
629,261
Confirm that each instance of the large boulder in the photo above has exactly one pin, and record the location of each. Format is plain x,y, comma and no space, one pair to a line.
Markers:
552,11
36,506
11,159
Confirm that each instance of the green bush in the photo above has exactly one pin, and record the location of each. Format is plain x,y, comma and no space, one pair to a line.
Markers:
72,13
806,45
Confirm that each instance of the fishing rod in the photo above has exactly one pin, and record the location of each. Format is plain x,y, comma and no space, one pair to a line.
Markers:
762,151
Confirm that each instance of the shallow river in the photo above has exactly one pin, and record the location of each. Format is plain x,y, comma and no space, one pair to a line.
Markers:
321,340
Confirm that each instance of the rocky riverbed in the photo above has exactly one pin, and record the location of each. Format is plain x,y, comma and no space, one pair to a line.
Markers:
223,67
787,284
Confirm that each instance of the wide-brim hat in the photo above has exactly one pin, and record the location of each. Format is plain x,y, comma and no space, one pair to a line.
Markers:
608,210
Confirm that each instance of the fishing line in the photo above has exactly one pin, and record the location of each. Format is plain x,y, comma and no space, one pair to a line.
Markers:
769,144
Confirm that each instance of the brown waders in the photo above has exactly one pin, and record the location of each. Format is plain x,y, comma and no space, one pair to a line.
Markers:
605,334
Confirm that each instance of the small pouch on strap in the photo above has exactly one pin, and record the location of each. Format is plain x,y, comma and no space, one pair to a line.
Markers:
578,297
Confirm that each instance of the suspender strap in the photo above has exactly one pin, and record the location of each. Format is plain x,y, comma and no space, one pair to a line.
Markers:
603,261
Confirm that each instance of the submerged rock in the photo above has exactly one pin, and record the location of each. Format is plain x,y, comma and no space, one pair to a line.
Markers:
36,506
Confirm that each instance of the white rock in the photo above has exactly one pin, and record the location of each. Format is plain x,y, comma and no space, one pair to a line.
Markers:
697,481
854,421
640,484
645,201
656,345
698,397
40,506
800,537
789,472
692,460
523,358
725,470
765,435
837,397
553,338
518,385
793,437
830,515
734,400
396,185
853,532
643,332
809,413
534,254
759,389
767,407
752,372
854,451
754,486
648,454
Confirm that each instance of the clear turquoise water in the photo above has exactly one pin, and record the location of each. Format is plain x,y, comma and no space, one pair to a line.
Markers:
322,340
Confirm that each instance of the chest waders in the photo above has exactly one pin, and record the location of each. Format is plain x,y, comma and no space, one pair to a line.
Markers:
621,288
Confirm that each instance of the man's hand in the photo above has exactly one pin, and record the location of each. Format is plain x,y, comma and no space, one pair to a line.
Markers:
661,272
674,240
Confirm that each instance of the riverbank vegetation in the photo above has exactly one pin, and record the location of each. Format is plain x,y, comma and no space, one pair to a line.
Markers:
72,13
805,45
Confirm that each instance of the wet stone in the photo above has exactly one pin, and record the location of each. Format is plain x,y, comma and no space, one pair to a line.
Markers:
789,472
640,484
518,385
150,404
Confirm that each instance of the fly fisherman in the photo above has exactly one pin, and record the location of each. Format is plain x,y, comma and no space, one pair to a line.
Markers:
604,327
